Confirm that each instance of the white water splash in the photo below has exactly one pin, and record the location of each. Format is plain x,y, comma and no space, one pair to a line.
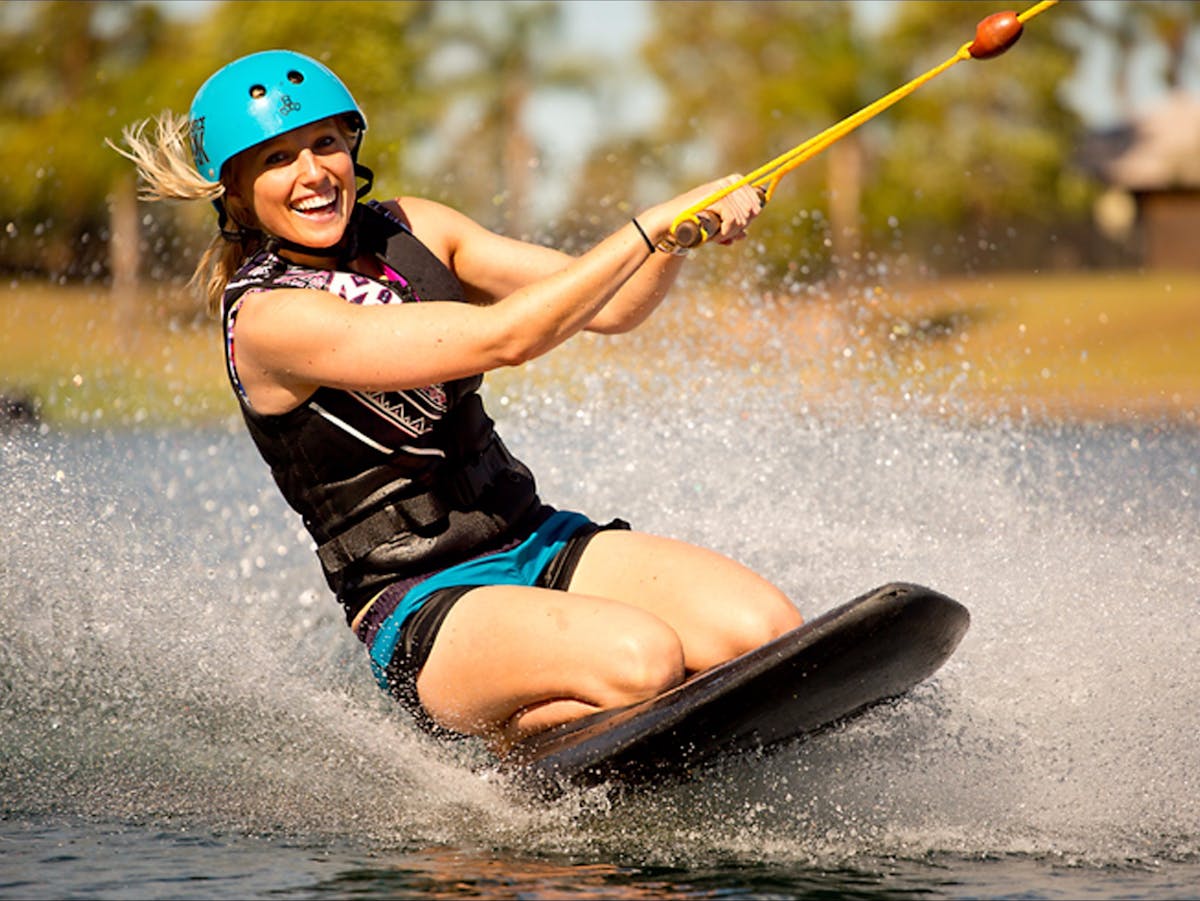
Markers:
169,653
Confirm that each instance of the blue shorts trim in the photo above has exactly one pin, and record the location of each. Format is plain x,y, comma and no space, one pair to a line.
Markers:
521,565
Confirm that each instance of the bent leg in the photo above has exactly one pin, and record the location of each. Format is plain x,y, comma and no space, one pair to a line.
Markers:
717,607
509,661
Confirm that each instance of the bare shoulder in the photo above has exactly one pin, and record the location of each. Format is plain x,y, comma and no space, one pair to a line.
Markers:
488,265
417,211
440,228
283,314
279,334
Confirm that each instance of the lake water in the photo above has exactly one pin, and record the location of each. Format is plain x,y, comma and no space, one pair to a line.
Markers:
183,714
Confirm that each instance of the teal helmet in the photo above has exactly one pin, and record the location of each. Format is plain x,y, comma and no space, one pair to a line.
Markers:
259,97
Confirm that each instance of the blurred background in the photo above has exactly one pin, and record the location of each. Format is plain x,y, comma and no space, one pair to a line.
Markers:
1022,228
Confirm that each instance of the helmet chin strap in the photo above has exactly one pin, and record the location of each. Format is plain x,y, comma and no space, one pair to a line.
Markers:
344,250
368,177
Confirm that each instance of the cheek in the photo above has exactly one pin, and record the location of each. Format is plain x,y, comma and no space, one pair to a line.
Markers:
343,169
264,194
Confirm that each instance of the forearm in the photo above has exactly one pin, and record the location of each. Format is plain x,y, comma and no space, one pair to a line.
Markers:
640,296
616,271
290,341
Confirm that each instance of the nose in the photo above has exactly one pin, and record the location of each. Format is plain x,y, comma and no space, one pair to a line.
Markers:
307,162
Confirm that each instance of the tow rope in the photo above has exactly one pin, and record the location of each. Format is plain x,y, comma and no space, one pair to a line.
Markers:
697,224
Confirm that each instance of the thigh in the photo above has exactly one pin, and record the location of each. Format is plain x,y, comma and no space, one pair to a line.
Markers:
510,660
718,607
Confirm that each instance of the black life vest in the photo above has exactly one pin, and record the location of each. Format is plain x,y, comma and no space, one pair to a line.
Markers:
391,485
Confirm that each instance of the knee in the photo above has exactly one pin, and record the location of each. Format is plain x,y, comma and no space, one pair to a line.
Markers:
753,625
645,664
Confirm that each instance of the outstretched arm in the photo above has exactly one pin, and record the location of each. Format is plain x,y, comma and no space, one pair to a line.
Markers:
491,266
290,342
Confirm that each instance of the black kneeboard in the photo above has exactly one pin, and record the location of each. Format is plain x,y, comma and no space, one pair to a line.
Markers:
875,647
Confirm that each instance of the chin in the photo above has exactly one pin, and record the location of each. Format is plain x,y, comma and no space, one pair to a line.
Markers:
325,236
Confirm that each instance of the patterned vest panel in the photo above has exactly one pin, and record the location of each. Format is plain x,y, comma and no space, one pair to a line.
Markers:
390,484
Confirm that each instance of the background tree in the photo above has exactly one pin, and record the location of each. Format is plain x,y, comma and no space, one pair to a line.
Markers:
972,170
746,81
1163,29
66,77
981,146
491,61
976,166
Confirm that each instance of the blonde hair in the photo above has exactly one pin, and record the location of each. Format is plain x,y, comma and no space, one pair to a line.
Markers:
159,147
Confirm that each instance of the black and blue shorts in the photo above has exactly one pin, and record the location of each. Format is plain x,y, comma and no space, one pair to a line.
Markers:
409,616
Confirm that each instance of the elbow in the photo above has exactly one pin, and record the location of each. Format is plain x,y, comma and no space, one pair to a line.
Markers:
517,349
513,356
614,325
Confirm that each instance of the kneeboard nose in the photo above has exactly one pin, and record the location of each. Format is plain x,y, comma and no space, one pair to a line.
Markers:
875,647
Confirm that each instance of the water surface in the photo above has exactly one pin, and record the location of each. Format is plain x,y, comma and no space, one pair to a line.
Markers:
184,713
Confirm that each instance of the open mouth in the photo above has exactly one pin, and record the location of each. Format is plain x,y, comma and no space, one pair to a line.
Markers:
318,204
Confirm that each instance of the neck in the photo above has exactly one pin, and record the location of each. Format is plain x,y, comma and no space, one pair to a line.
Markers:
314,257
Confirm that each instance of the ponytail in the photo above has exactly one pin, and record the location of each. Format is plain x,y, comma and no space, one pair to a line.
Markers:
160,149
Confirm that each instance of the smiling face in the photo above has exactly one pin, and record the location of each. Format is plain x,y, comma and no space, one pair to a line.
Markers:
300,185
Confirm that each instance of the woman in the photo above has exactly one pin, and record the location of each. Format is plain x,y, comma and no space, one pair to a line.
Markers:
356,335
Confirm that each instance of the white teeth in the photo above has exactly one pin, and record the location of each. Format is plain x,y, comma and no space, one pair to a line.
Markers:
312,203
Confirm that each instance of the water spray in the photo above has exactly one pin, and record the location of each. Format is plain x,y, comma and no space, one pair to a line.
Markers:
993,36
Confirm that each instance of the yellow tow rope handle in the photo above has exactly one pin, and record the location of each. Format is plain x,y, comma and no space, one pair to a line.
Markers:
698,223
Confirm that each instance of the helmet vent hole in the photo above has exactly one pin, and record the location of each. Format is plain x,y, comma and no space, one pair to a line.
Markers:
295,77
258,92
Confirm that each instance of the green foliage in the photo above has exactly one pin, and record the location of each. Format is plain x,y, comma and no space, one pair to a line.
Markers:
745,78
976,165
986,145
989,139
71,71
487,65
75,73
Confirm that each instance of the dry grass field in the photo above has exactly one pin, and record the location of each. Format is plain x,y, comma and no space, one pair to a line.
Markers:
1084,346
85,362
1111,346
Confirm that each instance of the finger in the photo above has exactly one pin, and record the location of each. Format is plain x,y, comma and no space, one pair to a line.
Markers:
742,207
